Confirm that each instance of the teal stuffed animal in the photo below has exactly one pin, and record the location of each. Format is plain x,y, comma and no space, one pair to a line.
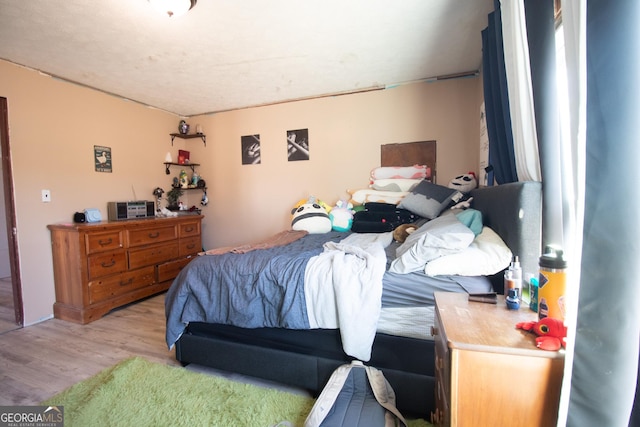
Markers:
341,216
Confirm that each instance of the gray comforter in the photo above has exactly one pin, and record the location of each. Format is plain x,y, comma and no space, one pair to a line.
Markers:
266,288
262,288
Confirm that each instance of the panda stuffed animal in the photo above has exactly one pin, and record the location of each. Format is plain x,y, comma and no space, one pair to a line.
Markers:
311,217
464,183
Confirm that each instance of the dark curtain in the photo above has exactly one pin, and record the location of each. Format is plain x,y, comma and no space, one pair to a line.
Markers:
540,21
501,157
605,366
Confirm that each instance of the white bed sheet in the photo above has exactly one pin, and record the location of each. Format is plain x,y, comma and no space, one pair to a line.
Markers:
410,322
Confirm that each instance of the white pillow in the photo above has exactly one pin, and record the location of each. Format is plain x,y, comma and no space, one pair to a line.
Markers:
360,197
444,235
485,256
412,172
394,184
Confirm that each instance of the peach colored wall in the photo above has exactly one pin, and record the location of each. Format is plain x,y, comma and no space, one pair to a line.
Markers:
250,202
55,124
53,128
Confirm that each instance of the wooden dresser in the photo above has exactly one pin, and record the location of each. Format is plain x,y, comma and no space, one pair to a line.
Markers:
488,373
100,266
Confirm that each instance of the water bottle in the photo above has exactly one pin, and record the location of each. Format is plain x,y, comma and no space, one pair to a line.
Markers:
552,284
513,277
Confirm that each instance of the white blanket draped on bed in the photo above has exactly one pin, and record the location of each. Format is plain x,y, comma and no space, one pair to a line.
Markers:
343,289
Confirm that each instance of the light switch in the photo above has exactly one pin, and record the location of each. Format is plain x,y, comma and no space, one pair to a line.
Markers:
46,196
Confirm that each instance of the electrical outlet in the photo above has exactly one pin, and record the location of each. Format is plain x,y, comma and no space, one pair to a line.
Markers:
46,196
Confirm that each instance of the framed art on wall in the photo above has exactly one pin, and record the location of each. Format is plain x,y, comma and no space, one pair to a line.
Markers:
102,158
298,144
250,149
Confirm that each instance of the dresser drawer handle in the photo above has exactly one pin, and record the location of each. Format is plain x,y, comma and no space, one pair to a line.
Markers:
434,331
105,242
154,235
189,229
107,265
127,283
439,363
191,246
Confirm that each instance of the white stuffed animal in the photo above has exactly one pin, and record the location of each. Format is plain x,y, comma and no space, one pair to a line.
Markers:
464,183
341,216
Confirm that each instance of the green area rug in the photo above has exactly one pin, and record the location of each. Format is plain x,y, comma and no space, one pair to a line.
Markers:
136,392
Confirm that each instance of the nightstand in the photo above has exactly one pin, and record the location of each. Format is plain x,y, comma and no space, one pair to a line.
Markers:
488,373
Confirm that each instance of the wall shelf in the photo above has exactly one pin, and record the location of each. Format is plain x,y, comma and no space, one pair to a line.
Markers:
168,165
189,136
201,183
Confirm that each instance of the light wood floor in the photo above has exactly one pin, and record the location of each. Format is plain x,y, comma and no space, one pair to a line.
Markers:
7,313
41,360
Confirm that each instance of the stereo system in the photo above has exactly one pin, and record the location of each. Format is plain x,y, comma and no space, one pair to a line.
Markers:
118,211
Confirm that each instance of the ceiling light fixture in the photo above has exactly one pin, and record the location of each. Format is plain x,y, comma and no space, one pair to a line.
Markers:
173,8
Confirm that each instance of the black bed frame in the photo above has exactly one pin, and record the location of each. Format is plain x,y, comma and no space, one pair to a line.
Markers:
306,358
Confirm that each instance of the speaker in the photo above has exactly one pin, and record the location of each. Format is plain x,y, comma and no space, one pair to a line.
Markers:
131,210
79,217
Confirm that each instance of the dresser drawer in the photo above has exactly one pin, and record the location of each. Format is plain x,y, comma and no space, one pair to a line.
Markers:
152,255
443,358
189,229
100,264
190,246
100,290
442,400
169,270
101,242
147,236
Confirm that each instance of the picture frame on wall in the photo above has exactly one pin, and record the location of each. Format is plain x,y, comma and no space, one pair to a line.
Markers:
184,157
102,158
250,149
298,144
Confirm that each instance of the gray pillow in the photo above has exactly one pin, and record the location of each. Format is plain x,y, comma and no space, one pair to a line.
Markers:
445,235
428,199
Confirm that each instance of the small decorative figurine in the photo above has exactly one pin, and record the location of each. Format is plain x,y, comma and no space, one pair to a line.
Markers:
183,127
158,192
184,179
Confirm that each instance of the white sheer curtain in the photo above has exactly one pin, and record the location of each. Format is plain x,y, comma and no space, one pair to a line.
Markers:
573,153
516,59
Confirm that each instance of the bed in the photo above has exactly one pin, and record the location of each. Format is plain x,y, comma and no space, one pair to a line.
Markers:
281,344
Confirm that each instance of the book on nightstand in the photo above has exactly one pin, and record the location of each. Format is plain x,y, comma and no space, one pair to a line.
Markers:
486,297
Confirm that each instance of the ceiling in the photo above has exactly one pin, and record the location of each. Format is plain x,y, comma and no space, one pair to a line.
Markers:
230,54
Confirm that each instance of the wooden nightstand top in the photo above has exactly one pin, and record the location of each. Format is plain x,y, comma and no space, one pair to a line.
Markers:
478,326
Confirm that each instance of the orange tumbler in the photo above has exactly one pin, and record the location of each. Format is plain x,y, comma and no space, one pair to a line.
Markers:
552,284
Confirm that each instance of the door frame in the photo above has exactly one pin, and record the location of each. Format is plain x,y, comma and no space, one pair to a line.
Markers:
10,212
